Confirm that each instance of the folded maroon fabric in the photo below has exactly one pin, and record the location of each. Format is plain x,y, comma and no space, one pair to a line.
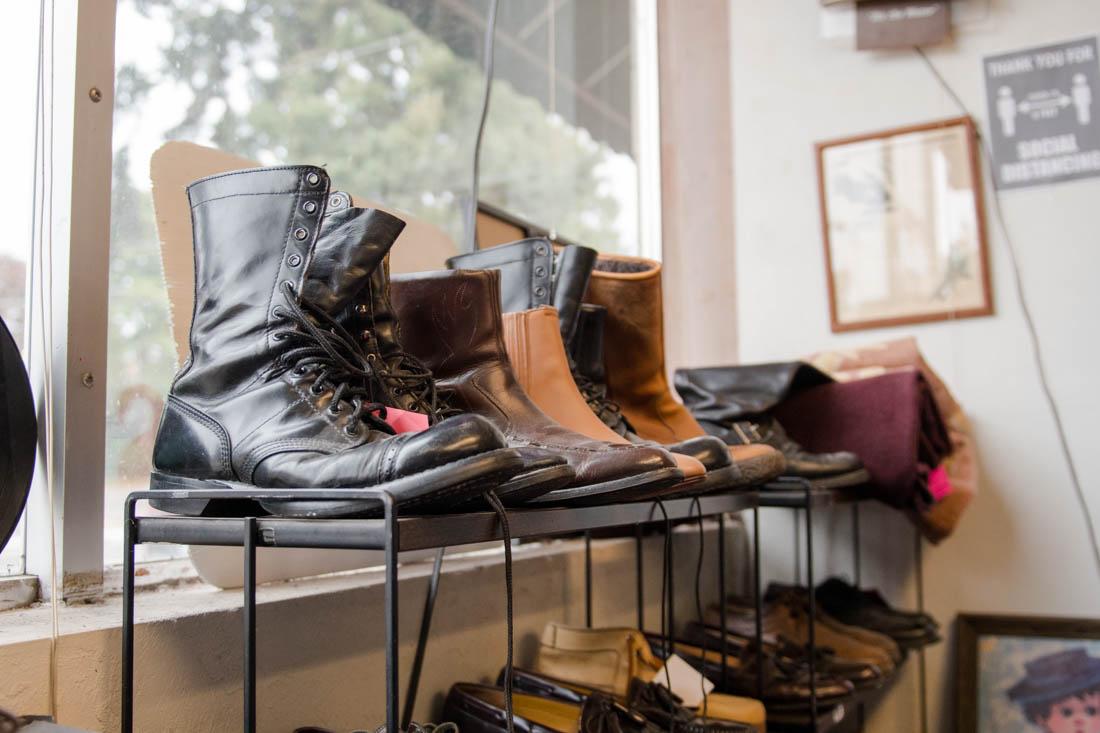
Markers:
891,421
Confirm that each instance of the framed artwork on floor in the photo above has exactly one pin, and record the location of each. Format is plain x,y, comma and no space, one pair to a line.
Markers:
904,226
1020,674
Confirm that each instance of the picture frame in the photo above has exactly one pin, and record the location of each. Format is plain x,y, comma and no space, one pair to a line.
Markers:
903,222
1011,666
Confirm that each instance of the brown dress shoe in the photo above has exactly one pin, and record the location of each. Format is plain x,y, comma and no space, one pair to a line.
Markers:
630,289
535,348
451,321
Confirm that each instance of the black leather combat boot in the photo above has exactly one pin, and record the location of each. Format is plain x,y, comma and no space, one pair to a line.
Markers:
275,393
533,273
401,380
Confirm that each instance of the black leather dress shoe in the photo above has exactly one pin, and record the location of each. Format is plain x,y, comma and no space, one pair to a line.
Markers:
855,607
786,684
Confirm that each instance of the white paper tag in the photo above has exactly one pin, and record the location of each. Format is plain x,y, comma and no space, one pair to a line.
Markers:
688,684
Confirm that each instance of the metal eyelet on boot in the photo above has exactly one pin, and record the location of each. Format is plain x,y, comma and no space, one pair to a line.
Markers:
310,207
335,408
312,179
361,309
300,234
300,371
294,260
316,389
351,429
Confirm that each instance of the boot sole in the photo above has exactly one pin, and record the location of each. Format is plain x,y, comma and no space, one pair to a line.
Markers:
523,488
727,478
437,489
630,488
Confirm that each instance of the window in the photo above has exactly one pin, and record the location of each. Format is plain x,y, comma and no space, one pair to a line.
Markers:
15,251
563,146
387,95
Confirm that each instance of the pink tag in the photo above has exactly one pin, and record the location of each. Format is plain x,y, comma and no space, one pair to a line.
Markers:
939,485
403,421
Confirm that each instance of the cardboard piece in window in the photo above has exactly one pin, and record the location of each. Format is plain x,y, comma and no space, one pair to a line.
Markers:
889,24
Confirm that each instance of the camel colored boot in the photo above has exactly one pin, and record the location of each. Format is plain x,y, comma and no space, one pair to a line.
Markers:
630,289
534,347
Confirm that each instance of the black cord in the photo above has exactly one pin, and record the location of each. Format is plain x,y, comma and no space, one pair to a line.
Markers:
498,507
1033,332
697,506
490,36
666,628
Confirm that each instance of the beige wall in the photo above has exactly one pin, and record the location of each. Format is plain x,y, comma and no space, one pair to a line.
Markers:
697,182
321,657
1022,547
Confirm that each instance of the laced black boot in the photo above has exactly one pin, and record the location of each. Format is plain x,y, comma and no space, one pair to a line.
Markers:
275,392
400,379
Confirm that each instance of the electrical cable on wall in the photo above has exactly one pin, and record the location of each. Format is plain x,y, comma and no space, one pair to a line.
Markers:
471,213
1029,321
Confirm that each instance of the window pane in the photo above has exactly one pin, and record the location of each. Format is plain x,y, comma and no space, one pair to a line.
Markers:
560,143
18,123
386,94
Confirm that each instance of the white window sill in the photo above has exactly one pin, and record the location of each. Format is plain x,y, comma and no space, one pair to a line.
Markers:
191,597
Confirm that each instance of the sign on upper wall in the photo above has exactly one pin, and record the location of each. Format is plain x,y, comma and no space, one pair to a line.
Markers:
887,24
1043,120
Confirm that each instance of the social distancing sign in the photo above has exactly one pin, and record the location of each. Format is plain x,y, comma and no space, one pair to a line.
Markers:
1044,123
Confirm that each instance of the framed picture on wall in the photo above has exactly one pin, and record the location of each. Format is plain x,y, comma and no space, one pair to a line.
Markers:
1019,674
904,226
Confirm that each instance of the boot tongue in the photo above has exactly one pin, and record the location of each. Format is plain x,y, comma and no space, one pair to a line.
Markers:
350,246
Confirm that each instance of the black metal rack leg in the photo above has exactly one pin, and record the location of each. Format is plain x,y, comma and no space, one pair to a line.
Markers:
722,593
248,613
813,603
127,712
858,580
422,640
757,601
588,579
639,578
921,664
669,565
391,596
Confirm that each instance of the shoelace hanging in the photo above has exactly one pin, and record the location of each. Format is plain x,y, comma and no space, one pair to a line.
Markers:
506,534
408,376
331,356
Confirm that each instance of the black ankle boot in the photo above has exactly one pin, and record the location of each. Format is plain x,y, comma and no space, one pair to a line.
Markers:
401,380
275,392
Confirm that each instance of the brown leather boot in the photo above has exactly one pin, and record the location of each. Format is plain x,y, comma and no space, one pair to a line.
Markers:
630,289
533,342
451,321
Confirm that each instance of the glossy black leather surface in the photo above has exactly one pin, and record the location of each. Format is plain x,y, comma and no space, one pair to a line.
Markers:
709,451
238,410
533,272
451,321
475,709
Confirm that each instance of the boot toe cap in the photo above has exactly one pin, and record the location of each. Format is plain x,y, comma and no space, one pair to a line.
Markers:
453,439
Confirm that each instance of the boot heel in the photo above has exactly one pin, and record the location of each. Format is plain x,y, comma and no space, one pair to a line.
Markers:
168,482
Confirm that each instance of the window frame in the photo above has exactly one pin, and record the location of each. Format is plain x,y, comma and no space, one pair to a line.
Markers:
82,58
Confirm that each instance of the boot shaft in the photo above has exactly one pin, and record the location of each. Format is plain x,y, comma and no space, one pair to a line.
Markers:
630,289
253,230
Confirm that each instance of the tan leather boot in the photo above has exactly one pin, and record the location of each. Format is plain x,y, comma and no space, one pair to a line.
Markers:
630,289
533,342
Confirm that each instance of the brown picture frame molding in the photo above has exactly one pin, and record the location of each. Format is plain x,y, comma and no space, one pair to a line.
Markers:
978,187
971,627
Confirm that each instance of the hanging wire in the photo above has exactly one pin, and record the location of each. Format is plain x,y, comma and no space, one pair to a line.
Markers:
471,213
1029,321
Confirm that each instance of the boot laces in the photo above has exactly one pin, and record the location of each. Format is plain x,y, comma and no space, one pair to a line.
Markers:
328,353
410,377
605,408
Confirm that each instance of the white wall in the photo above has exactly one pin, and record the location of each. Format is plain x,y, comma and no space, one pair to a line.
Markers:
1022,546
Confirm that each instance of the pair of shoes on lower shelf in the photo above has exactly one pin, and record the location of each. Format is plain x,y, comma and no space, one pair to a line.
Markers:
867,609
310,368
596,676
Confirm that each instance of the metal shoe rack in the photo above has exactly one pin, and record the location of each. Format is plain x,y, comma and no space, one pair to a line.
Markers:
393,534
